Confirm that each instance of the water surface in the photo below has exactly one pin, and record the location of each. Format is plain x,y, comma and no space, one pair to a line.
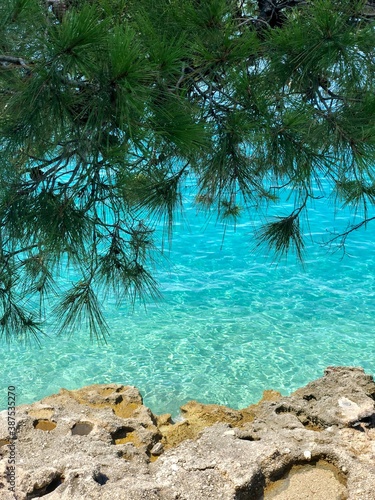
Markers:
230,325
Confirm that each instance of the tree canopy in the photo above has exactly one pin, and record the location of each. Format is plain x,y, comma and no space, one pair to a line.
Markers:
106,106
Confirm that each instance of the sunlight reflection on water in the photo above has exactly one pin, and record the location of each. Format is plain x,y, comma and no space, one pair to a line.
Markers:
230,324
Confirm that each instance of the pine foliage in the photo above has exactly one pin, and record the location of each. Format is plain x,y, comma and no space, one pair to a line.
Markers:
107,105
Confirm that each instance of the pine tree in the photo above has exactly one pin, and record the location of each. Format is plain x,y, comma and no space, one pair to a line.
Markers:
107,105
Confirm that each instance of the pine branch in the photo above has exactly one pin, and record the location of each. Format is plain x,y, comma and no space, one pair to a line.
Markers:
342,237
17,61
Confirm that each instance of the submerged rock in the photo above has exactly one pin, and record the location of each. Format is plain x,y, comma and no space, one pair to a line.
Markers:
101,442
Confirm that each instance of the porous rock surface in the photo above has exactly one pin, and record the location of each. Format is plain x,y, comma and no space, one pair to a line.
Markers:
101,442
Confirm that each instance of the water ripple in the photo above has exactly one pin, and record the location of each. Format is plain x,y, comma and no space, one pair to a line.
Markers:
231,325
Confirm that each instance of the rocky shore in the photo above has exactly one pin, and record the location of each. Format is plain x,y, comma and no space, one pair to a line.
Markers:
101,442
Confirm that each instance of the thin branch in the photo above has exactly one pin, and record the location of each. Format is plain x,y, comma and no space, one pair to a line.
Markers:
18,61
343,236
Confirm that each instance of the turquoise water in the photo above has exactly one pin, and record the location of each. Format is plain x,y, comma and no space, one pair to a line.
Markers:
230,323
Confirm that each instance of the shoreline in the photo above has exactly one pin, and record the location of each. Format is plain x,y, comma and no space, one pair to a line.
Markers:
101,442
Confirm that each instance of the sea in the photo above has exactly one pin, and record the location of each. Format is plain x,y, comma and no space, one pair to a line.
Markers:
232,320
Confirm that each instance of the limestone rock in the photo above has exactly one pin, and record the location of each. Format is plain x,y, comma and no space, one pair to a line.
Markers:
344,396
101,442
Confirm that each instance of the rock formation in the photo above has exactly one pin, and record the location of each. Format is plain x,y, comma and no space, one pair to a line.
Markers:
101,442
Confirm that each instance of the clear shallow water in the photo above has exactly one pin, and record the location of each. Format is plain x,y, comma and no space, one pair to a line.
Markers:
230,324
